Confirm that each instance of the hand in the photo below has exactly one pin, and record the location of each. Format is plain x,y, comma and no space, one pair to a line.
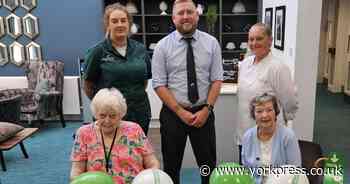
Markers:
99,123
186,116
89,89
201,117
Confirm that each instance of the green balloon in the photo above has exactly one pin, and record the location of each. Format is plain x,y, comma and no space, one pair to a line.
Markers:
231,173
332,179
93,178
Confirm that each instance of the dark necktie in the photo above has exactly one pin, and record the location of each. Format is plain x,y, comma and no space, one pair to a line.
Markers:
191,74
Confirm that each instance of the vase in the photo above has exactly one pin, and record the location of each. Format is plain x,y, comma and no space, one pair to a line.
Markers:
238,7
131,7
163,7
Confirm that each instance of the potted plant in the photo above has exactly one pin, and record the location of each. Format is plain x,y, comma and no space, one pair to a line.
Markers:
211,17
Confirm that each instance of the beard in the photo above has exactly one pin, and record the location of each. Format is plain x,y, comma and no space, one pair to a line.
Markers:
186,28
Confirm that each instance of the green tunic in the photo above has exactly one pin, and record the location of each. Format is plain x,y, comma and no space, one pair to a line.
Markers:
106,68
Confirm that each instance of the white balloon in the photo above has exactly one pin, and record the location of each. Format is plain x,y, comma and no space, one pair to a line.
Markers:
287,175
152,176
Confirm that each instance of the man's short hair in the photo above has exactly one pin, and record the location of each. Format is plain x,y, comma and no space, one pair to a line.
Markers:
182,1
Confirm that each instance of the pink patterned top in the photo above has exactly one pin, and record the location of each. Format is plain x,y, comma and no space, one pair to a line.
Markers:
127,154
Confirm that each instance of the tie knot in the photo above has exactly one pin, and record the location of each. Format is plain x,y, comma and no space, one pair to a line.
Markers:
188,40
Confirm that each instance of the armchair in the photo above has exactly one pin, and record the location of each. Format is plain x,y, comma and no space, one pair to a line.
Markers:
43,97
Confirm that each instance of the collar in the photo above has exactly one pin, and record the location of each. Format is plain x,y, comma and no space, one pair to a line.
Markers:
266,58
109,46
179,36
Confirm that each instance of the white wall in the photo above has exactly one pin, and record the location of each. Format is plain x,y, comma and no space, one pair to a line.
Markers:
306,62
156,103
290,34
301,54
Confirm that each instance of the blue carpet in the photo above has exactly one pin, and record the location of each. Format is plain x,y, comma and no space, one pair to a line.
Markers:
331,129
48,163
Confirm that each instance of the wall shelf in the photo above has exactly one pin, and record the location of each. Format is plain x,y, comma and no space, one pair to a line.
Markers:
230,27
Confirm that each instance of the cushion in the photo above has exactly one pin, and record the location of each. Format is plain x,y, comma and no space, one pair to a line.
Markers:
7,130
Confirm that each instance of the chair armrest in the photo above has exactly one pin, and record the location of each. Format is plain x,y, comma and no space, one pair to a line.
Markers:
27,94
7,93
50,93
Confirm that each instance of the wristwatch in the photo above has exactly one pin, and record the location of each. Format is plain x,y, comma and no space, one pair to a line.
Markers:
209,106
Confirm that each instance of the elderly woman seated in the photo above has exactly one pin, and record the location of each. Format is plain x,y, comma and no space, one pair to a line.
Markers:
268,144
119,148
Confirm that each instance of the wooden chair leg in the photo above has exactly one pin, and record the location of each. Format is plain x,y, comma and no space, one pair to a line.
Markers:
23,150
2,159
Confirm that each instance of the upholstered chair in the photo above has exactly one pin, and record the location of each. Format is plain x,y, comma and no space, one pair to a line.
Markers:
42,100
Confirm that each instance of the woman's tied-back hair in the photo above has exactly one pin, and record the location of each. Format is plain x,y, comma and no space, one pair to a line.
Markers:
261,99
109,99
109,9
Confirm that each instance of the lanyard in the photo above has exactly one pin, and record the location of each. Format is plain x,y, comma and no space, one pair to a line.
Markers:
108,156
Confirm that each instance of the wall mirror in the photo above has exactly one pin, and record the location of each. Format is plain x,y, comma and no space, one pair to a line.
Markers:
33,52
17,53
28,4
30,26
3,54
10,4
14,25
2,27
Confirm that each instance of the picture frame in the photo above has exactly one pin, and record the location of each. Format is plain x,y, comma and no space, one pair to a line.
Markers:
280,22
268,17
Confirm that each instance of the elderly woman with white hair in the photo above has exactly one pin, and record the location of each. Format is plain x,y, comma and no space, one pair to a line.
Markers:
119,148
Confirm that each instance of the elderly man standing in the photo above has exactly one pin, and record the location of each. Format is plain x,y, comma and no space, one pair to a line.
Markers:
187,75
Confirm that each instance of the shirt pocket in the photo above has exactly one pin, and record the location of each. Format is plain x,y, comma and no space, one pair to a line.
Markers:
203,59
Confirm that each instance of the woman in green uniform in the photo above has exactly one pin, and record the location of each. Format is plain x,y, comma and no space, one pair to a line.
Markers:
120,62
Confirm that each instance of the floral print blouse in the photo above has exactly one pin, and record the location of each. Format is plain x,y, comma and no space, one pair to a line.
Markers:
126,156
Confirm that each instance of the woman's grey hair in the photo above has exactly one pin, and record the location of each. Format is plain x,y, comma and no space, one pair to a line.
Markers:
109,9
108,99
265,27
261,99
